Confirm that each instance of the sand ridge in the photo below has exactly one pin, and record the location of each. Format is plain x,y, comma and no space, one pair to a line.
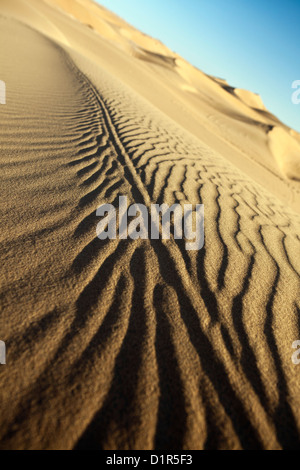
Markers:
139,344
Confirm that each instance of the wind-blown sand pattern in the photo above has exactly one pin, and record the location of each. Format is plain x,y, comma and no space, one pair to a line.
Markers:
140,344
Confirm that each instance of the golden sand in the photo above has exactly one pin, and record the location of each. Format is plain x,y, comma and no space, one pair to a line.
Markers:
140,344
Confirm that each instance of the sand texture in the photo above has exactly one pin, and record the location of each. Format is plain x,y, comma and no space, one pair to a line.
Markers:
140,344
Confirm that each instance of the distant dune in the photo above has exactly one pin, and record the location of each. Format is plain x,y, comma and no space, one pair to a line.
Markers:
140,344
286,150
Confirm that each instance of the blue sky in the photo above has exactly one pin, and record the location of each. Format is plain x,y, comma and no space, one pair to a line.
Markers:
252,44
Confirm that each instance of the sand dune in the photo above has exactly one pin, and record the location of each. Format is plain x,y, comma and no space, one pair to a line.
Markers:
286,150
140,344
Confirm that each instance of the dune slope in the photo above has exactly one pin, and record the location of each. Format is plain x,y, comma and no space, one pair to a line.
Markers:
138,344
